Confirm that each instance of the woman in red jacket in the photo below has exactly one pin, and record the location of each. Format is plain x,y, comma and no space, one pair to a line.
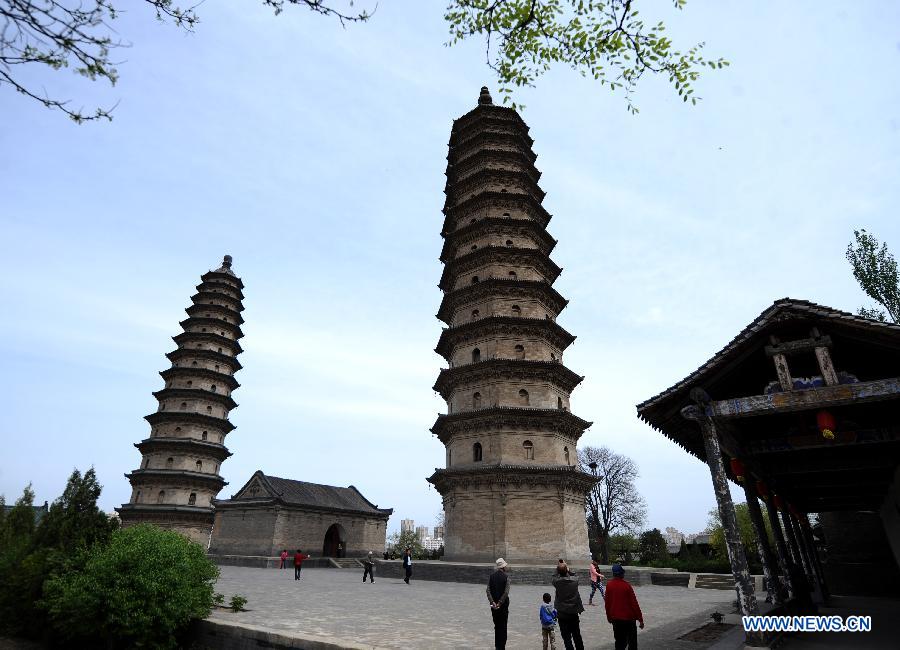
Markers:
622,610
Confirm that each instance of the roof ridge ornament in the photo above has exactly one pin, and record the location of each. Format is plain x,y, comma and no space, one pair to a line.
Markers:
484,99
226,265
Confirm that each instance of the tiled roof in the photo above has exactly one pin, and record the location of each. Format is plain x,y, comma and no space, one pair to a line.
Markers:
662,411
315,495
778,310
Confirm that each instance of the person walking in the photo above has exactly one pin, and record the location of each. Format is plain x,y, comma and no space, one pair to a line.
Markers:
284,557
407,564
597,581
568,607
298,563
369,570
498,596
548,623
622,610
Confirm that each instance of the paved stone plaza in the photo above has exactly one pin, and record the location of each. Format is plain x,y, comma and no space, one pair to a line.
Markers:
425,614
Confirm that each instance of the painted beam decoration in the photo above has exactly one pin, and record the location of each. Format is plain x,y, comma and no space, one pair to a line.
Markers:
801,400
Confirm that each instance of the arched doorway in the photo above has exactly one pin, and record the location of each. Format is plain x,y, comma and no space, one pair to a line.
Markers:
335,541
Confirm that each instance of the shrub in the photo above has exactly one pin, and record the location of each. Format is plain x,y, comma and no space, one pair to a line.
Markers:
139,590
652,547
237,603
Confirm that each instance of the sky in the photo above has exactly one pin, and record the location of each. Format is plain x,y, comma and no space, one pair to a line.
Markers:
315,155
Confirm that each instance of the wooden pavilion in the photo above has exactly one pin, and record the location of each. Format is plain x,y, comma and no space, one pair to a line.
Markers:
799,409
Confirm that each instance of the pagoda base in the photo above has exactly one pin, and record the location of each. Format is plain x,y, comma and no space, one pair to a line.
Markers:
526,515
196,526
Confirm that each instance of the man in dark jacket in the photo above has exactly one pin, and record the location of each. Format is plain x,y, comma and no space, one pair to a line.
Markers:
622,610
498,597
369,567
407,564
568,606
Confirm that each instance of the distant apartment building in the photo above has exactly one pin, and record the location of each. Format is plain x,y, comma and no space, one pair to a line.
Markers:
406,525
421,533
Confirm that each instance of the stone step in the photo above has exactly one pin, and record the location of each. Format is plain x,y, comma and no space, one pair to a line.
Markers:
346,563
723,581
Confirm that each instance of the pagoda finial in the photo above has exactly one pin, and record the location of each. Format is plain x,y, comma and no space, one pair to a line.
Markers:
226,261
485,97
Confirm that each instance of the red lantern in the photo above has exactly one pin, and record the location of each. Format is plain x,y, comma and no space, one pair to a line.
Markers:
778,503
826,423
762,490
737,468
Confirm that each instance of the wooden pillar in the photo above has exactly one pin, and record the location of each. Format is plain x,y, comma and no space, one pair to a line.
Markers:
814,552
801,545
743,581
792,540
770,568
780,547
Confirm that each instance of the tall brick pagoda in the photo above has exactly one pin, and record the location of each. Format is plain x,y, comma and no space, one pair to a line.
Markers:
511,487
179,473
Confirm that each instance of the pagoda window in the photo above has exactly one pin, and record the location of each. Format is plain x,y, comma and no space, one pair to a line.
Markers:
473,221
509,242
161,496
559,403
203,329
476,452
216,468
169,462
566,454
475,314
194,363
213,388
183,406
208,315
503,189
520,351
216,367
476,355
528,446
476,400
516,310
506,214
199,465
177,429
145,463
209,409
474,247
552,357
198,345
203,436
512,275
220,350
474,279
192,499
523,397
190,383
162,407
